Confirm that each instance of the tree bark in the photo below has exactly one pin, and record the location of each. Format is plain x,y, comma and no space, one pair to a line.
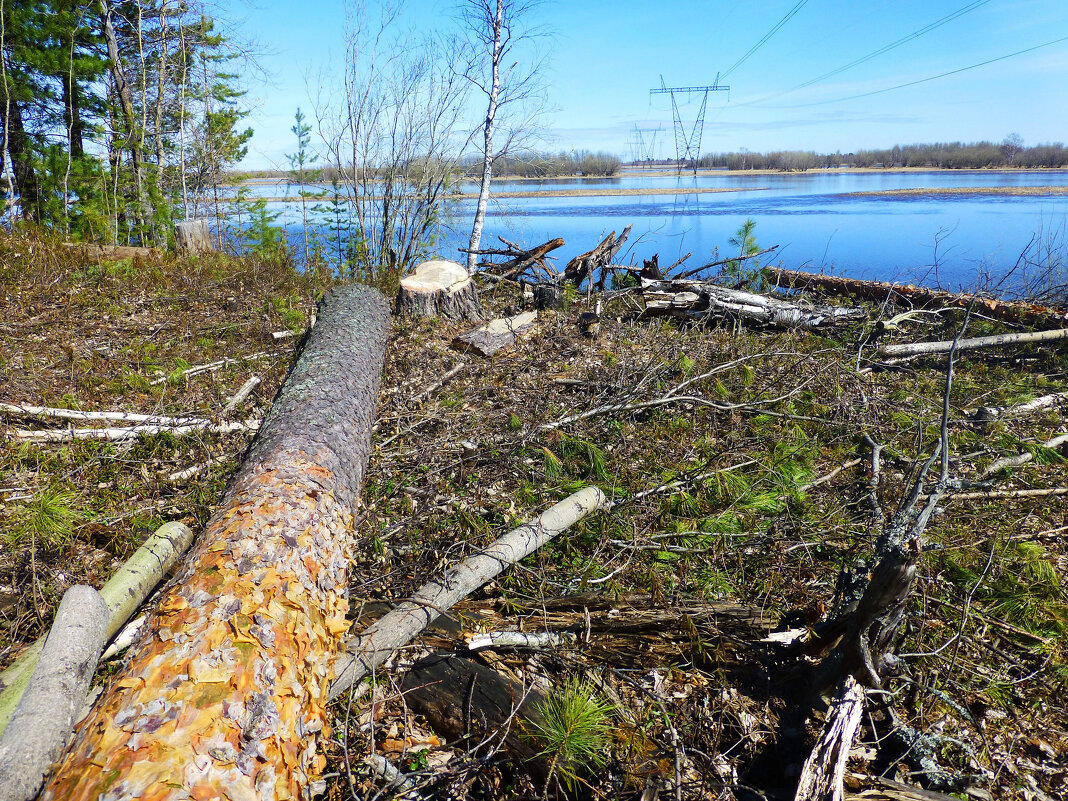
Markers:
224,694
487,137
18,148
496,334
42,722
193,237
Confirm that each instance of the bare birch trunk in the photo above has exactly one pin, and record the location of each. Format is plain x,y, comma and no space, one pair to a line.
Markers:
224,694
487,143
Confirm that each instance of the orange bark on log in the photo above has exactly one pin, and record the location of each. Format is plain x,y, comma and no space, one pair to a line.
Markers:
224,695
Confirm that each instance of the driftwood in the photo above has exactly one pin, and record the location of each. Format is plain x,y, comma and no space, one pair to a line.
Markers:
496,334
704,299
374,646
193,237
586,265
881,291
439,288
123,593
224,694
42,721
998,340
520,261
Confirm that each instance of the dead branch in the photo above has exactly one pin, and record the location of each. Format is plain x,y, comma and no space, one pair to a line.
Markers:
997,340
374,646
132,432
588,263
26,410
519,260
1008,462
721,262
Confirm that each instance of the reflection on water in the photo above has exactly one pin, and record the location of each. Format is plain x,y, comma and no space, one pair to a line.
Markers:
953,240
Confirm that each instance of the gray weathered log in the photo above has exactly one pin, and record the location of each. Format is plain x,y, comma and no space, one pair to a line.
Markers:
439,288
193,237
42,722
995,341
703,299
123,593
399,627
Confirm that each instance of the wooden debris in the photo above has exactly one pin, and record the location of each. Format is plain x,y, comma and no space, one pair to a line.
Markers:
223,696
496,334
240,396
586,265
374,646
520,261
42,721
123,593
26,410
439,288
975,343
705,299
549,296
881,291
111,251
131,432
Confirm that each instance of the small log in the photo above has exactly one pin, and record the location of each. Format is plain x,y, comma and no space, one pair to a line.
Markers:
549,296
123,593
880,291
496,334
193,237
42,722
399,627
519,260
975,343
439,288
131,432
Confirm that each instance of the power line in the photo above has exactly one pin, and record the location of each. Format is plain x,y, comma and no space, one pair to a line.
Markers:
934,77
764,39
960,12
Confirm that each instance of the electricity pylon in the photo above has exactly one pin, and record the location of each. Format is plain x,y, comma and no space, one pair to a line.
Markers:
688,147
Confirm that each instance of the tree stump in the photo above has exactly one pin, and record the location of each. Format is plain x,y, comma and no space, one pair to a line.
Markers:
193,237
439,288
548,296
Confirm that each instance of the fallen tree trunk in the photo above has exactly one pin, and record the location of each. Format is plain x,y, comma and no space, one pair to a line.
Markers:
975,343
123,593
881,291
42,722
519,260
224,694
399,627
704,299
585,265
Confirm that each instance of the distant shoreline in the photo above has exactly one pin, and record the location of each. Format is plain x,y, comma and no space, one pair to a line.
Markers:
1018,191
607,191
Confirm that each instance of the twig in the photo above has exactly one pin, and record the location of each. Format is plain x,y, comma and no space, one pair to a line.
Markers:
74,414
240,395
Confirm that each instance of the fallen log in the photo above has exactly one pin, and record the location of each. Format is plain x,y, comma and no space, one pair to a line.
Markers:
519,260
975,343
131,432
496,334
704,299
42,721
439,288
111,251
123,593
881,291
396,629
224,694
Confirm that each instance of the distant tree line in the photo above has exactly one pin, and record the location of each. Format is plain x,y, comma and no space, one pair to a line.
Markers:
119,116
941,155
547,165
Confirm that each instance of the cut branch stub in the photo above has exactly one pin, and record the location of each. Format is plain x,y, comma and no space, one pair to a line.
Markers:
439,288
224,694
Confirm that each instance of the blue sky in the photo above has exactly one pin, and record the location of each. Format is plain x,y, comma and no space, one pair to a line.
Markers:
602,58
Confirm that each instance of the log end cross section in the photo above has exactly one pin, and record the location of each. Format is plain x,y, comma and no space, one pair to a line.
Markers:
224,695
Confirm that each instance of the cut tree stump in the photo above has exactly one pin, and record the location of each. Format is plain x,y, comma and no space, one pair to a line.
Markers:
439,288
224,694
496,334
193,237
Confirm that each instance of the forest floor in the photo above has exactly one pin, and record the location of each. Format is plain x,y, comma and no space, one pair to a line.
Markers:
737,511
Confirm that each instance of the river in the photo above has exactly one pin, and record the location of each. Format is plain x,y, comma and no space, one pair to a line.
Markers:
950,239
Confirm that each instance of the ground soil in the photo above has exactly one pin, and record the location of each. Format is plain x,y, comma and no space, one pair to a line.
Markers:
739,504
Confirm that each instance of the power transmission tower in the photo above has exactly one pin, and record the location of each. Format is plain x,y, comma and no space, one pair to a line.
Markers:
688,146
646,146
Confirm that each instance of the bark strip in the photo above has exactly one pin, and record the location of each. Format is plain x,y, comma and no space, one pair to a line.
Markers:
224,694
